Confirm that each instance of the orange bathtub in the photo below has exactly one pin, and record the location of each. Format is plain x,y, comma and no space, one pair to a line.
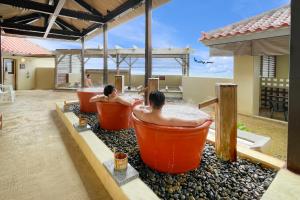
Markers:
170,149
114,116
84,95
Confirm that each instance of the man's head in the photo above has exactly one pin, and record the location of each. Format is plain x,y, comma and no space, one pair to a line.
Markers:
88,75
157,99
109,89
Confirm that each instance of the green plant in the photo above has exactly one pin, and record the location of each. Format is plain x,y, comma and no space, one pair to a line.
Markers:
242,127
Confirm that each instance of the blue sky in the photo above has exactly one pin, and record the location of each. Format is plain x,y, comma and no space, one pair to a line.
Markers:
179,24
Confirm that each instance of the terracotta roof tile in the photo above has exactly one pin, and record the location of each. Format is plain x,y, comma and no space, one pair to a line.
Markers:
273,19
21,46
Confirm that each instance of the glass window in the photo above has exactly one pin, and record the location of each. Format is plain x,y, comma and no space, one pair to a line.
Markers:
268,66
9,66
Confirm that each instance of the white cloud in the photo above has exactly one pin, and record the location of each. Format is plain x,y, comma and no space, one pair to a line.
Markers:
221,66
163,36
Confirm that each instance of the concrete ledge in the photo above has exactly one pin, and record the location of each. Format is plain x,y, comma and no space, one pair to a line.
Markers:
97,153
255,156
286,185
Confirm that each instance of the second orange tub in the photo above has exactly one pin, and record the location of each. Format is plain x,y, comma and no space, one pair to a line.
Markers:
170,149
114,116
84,96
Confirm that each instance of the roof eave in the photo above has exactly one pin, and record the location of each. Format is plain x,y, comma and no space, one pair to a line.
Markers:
246,37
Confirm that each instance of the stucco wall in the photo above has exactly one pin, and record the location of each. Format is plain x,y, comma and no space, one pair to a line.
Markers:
282,66
198,89
246,76
26,78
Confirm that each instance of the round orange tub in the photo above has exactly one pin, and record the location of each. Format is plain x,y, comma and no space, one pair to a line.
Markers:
170,149
114,116
84,95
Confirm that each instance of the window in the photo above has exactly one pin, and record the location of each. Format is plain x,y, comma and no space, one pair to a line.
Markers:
9,66
268,66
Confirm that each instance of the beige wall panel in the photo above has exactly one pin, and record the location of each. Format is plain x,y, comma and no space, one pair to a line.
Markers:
198,89
44,78
282,67
246,76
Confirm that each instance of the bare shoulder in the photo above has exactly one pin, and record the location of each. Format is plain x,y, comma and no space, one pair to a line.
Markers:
97,98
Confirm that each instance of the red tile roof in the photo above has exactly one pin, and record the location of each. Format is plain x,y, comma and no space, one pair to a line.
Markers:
21,46
273,19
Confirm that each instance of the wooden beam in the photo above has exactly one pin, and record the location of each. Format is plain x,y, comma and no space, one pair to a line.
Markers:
91,28
49,9
89,8
293,154
82,63
53,17
105,55
1,67
121,9
38,34
207,103
226,122
22,18
148,46
31,28
65,24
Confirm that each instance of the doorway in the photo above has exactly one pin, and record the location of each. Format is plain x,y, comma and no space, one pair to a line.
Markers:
10,75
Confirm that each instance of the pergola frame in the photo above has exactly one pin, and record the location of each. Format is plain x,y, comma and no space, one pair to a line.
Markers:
53,11
128,56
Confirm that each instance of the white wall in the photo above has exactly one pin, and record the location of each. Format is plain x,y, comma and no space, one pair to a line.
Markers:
198,89
26,77
246,76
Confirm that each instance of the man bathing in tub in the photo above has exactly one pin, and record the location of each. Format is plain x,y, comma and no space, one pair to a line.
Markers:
111,95
153,113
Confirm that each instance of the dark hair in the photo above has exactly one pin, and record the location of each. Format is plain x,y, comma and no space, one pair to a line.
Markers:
157,99
88,75
108,90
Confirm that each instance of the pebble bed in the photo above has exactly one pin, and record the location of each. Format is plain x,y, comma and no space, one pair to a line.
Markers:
214,179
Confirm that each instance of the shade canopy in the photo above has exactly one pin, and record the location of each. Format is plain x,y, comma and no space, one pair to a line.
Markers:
66,19
259,47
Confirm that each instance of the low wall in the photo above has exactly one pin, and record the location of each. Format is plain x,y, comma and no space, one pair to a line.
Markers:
44,78
136,80
198,89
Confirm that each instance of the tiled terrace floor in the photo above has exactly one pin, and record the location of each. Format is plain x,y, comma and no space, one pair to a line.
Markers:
38,157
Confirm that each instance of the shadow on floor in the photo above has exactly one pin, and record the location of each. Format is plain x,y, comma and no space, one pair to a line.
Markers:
92,184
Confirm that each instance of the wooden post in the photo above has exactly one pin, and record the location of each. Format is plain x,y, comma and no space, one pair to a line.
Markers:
82,63
1,121
153,85
105,55
1,67
293,153
118,64
129,82
148,46
226,121
119,83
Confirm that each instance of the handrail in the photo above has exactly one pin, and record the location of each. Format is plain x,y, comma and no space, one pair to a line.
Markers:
208,102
